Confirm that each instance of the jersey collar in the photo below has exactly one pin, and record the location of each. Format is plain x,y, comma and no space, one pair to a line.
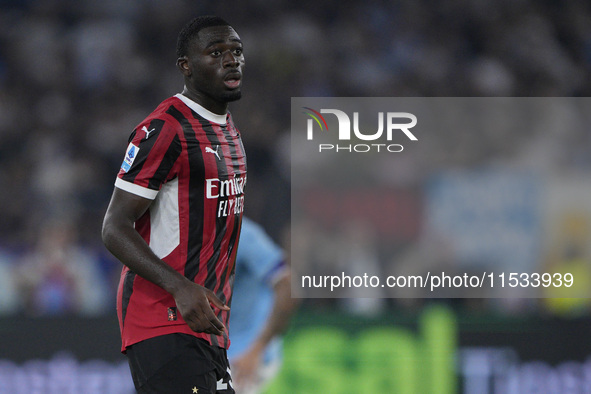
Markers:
215,118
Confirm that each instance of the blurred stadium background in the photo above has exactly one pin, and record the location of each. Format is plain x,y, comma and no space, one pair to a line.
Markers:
77,76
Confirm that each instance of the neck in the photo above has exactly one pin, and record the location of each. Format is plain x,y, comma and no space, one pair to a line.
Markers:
220,108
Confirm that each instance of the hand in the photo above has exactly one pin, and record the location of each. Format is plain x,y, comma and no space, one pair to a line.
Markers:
193,303
245,367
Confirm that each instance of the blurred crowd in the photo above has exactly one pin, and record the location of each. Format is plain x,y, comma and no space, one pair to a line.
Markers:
77,76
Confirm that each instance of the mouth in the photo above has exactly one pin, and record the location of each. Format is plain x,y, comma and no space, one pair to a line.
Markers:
232,80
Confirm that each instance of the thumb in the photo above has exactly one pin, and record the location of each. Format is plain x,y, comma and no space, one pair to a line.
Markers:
212,298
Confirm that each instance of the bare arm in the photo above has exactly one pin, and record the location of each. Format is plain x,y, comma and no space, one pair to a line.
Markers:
125,243
279,318
283,308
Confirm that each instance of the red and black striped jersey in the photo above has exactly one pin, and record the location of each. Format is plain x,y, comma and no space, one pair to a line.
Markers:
191,163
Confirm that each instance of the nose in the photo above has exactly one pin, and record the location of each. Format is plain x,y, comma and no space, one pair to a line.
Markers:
229,60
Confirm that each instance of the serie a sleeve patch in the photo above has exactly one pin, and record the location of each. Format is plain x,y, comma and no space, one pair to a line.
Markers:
130,155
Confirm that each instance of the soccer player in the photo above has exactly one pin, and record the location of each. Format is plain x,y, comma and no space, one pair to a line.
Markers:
174,221
261,310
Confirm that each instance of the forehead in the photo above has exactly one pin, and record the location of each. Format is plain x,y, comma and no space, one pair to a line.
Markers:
213,35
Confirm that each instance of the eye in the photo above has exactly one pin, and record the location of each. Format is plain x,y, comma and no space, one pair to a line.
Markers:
215,52
238,51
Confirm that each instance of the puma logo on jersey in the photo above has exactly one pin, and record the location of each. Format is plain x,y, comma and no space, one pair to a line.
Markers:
145,130
215,152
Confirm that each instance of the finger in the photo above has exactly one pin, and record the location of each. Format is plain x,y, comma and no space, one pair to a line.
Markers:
209,328
212,321
203,319
216,301
214,330
196,324
199,321
217,324
204,326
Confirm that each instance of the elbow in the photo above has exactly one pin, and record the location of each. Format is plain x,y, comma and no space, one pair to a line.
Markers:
107,232
283,290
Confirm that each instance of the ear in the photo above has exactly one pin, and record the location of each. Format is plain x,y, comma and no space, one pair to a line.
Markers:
183,64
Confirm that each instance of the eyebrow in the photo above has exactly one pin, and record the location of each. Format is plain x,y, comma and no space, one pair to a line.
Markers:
211,43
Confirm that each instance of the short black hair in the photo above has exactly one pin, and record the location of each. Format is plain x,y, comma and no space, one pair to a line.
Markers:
192,28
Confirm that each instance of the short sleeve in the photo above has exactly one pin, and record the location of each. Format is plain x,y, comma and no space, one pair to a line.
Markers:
262,256
150,158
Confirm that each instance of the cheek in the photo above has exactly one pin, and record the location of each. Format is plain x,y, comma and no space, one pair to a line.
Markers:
205,80
201,73
208,71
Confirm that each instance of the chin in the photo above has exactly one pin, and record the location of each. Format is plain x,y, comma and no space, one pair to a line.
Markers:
232,96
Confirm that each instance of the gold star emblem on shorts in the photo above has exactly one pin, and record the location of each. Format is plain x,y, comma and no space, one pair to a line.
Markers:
195,390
